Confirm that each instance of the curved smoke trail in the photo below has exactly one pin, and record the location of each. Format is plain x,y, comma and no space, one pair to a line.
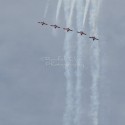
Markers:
95,62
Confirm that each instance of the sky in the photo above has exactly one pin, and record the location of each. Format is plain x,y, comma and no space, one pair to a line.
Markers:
32,89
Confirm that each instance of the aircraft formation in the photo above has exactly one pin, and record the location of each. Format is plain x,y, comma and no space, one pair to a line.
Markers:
68,30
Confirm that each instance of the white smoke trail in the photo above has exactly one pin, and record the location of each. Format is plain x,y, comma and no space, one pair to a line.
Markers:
71,13
80,44
46,8
94,87
95,62
58,9
67,6
85,12
68,115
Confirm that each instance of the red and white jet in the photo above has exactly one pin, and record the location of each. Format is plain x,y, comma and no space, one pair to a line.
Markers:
82,33
55,26
43,23
67,29
94,38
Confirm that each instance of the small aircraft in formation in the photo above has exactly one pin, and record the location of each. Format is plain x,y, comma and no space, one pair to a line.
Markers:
82,33
55,26
94,38
43,23
68,29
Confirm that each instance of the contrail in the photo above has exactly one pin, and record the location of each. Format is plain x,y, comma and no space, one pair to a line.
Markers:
74,98
46,8
68,115
71,12
80,44
85,12
95,61
94,87
58,9
67,8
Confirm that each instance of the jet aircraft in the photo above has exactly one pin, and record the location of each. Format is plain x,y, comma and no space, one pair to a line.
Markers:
67,29
43,23
55,26
82,33
94,38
